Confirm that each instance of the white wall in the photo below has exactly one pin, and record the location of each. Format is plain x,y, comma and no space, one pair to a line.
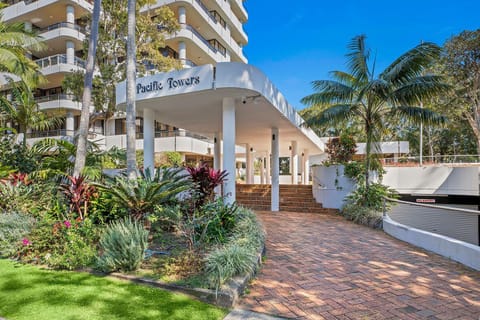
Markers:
326,191
457,250
433,180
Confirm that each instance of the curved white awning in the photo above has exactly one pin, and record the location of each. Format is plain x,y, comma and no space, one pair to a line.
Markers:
192,99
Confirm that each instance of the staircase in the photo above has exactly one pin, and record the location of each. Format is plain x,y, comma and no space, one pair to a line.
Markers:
295,198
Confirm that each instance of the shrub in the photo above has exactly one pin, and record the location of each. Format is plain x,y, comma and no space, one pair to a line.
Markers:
371,197
123,245
62,244
206,179
15,197
239,254
363,215
232,260
341,149
220,219
14,228
78,193
141,196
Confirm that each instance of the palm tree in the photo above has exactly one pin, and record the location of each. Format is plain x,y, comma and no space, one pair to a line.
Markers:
87,93
361,95
15,45
23,110
131,70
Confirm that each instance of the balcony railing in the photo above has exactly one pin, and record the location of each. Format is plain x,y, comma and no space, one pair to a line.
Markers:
58,59
205,9
55,97
59,25
12,2
432,160
199,36
176,133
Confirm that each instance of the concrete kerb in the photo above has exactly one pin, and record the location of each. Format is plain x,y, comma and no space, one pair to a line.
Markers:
227,296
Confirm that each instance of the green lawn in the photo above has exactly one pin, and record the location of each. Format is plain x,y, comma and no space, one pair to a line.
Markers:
27,292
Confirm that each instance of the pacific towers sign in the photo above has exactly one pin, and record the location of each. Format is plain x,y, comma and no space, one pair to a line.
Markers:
170,84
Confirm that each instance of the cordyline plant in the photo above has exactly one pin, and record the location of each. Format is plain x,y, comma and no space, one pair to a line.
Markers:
78,193
206,179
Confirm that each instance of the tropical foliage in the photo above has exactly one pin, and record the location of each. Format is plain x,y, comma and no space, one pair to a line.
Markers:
16,44
374,99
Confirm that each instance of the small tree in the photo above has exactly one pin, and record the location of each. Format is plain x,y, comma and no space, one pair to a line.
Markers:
341,149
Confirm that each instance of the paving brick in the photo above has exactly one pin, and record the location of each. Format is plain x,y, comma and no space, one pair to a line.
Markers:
323,267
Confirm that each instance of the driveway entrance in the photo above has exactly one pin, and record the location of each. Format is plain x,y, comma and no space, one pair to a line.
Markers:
323,267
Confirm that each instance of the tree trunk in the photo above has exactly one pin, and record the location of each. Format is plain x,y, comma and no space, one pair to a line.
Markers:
475,128
131,94
368,148
81,153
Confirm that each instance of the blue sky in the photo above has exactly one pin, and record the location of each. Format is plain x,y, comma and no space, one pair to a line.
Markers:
295,42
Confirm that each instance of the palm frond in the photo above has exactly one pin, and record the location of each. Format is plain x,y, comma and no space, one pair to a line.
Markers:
328,92
411,64
357,59
418,115
419,89
332,114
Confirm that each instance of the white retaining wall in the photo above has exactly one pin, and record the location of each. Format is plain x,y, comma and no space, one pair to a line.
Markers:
463,252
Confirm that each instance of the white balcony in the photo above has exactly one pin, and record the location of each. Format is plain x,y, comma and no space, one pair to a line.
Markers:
59,64
239,9
62,31
37,11
179,141
58,101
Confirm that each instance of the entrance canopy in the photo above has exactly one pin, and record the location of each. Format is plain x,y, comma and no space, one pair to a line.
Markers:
232,102
191,99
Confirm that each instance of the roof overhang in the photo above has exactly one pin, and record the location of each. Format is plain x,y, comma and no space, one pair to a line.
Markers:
192,99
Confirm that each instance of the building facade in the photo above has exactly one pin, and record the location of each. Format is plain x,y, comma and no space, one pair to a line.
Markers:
211,31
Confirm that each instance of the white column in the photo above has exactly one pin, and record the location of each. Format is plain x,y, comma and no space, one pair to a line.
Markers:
294,162
182,15
228,134
217,158
302,169
70,124
306,165
70,51
27,26
267,168
275,203
70,14
262,171
249,163
217,152
149,140
182,53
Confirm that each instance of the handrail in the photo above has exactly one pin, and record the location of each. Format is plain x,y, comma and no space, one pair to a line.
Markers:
59,25
55,97
426,205
196,33
439,158
58,59
205,9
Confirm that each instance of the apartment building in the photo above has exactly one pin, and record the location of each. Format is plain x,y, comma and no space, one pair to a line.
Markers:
211,31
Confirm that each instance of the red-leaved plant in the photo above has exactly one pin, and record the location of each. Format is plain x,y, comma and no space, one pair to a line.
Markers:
78,193
206,179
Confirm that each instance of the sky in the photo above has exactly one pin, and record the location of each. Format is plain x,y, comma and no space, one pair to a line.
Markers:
296,42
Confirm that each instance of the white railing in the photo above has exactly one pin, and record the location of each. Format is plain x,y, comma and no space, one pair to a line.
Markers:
58,59
432,160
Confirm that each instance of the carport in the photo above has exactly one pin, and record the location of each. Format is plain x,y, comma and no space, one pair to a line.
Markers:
234,104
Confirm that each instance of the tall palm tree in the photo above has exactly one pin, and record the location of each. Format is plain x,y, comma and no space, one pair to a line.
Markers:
131,78
372,99
15,45
23,110
81,153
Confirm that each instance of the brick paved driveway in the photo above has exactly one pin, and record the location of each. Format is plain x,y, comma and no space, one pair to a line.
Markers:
323,267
